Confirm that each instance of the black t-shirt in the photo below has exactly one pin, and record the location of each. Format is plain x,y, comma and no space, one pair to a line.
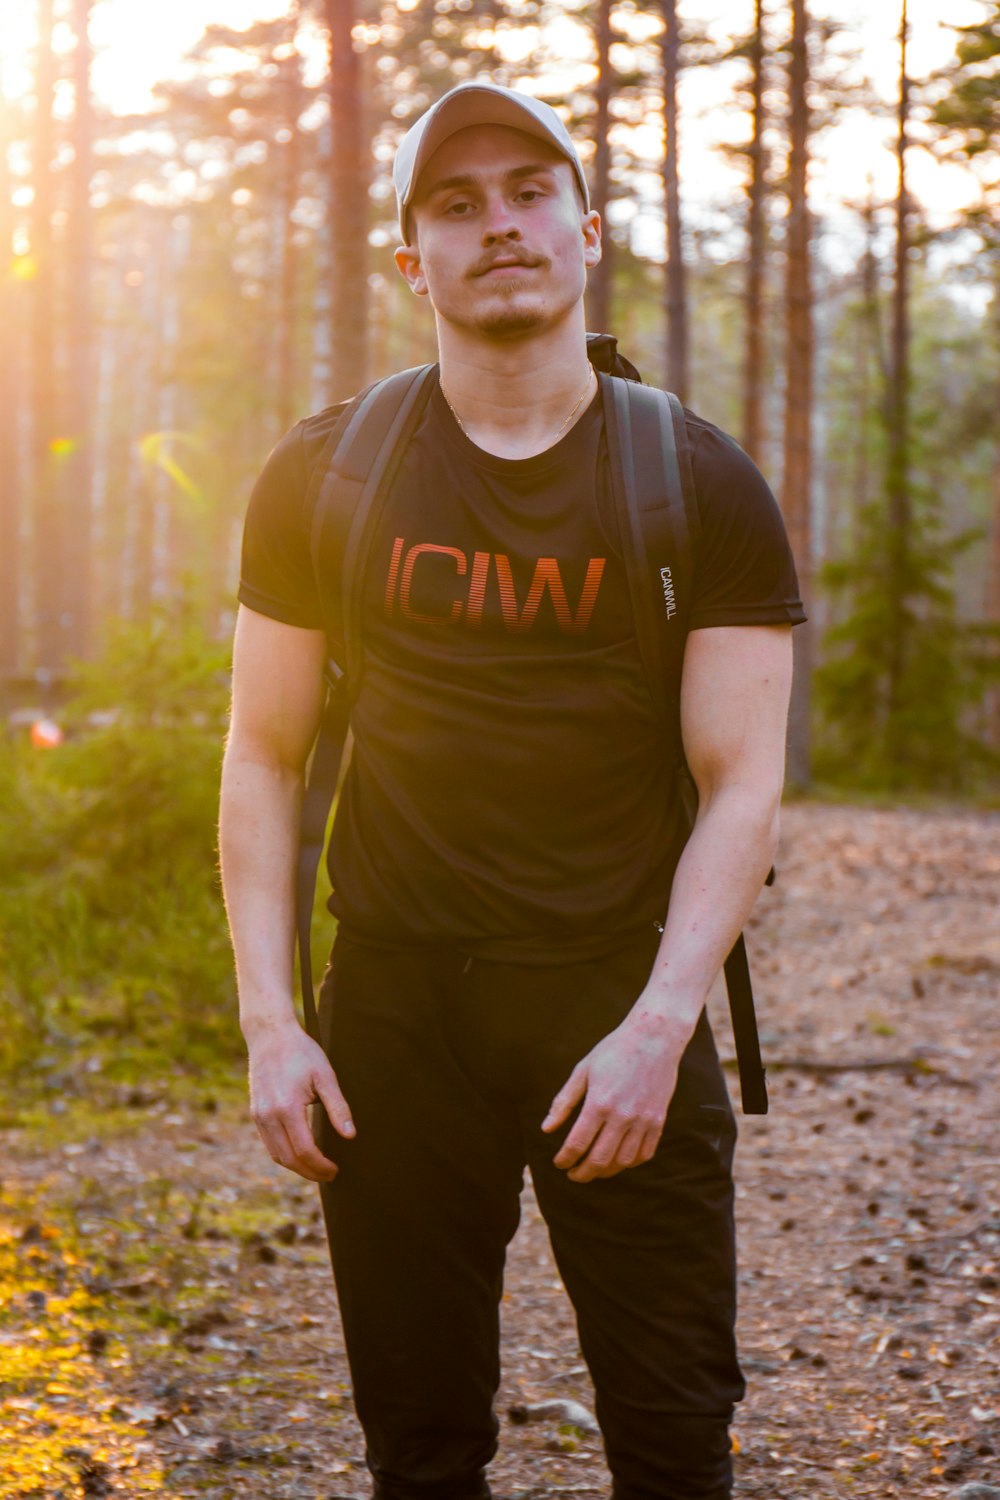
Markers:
509,790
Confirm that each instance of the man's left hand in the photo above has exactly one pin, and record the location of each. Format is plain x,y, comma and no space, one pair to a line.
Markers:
626,1083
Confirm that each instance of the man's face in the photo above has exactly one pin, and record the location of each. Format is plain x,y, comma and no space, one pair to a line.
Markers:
516,200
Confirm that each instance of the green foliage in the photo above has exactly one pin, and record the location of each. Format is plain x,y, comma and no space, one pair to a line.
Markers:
111,919
972,105
932,735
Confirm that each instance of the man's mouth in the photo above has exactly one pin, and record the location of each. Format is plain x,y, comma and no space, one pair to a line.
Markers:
507,265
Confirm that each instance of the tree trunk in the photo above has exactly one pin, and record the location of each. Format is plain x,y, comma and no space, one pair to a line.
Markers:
287,320
753,365
116,463
898,415
107,461
77,477
380,330
348,208
676,294
47,529
599,277
321,325
993,565
868,353
797,474
181,546
142,374
10,496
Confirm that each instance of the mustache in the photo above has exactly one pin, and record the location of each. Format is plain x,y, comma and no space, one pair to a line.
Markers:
521,258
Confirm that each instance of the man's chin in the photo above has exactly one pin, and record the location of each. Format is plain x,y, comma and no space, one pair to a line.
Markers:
517,312
511,314
509,321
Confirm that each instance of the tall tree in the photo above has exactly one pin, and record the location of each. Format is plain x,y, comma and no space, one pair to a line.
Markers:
869,360
797,474
144,367
753,358
675,284
172,492
992,592
293,100
47,531
968,116
599,278
903,694
254,121
10,509
322,328
77,477
897,482
349,178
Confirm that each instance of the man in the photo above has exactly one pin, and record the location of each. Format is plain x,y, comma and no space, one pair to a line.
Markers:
507,838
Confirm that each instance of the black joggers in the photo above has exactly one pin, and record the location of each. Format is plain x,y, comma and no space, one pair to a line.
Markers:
449,1066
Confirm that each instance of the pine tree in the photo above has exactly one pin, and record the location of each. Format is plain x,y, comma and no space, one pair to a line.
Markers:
753,364
675,288
47,521
901,685
898,458
968,120
78,472
797,476
599,277
349,175
10,487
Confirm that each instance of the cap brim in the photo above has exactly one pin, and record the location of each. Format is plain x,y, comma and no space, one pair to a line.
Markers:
471,106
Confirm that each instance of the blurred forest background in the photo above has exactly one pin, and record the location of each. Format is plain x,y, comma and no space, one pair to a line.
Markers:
802,239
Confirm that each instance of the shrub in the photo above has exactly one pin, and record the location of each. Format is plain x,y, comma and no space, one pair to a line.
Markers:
111,917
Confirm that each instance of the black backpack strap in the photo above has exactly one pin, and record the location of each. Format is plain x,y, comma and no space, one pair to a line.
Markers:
352,479
654,490
357,478
317,799
658,535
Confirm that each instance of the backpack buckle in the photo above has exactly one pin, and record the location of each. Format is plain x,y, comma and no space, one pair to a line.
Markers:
333,675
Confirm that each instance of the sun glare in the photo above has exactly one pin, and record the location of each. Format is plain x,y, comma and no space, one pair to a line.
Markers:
135,45
17,43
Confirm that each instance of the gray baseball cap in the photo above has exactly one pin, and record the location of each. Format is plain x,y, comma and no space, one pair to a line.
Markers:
475,104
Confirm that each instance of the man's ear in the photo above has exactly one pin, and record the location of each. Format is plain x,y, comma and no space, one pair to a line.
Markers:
407,258
590,226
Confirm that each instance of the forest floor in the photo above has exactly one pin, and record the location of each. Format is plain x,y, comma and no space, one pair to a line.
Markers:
167,1320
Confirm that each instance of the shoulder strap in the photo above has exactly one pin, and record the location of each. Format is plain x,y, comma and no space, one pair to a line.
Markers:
352,478
352,488
653,482
647,443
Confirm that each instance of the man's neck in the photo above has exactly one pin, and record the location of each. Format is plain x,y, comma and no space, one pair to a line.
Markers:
516,399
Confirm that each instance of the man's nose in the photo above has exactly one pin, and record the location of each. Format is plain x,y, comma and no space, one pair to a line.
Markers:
500,222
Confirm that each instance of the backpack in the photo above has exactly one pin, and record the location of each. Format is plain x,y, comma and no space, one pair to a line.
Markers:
654,496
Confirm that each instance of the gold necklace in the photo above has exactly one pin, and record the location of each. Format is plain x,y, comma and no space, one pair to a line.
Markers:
586,392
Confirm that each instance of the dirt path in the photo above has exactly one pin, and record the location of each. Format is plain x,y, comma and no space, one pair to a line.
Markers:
168,1325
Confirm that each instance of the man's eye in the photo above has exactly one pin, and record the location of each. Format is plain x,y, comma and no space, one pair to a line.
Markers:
452,206
529,192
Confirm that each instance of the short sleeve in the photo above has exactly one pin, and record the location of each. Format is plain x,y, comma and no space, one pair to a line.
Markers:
276,572
745,573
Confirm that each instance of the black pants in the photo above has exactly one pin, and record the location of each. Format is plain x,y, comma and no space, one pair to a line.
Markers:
449,1066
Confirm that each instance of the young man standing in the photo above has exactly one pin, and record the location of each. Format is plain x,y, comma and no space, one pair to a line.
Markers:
508,986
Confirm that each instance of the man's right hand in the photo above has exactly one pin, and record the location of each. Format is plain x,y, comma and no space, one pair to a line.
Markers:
288,1070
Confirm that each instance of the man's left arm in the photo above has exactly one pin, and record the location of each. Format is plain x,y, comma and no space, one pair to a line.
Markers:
735,693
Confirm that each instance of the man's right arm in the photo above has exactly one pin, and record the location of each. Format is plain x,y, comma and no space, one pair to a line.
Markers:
278,696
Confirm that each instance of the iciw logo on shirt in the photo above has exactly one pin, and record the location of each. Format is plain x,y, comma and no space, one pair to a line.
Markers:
466,605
